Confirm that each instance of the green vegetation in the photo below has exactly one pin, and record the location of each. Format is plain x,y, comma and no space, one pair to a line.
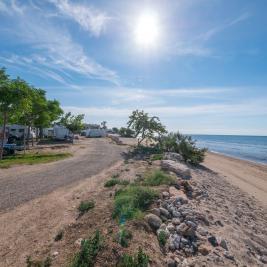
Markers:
132,201
158,177
126,132
33,263
59,235
162,238
31,159
85,206
124,237
156,157
114,181
184,145
145,127
72,122
88,252
138,260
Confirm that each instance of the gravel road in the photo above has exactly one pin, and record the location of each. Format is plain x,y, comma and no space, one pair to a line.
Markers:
23,183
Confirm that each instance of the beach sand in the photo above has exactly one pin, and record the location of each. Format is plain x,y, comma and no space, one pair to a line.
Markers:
248,176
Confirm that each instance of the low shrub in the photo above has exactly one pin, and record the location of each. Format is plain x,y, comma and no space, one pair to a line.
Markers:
113,182
158,177
140,259
88,252
156,157
131,201
85,206
33,263
59,235
124,237
162,238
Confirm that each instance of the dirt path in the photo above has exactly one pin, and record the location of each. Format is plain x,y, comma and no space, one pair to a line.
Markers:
23,183
250,177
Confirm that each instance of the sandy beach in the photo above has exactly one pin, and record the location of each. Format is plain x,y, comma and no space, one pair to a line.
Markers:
248,176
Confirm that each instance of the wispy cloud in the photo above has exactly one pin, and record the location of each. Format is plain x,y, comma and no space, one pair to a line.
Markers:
89,18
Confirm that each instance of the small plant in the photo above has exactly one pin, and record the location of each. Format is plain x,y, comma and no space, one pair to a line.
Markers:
138,260
33,263
162,238
85,206
124,182
59,235
124,236
115,176
111,182
88,252
156,157
158,177
131,201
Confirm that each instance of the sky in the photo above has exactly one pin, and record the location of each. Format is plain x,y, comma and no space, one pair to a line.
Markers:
200,65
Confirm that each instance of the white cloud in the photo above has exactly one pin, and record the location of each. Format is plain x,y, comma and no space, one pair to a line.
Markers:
89,18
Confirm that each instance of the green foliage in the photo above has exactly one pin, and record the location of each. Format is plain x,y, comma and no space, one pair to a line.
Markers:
145,127
138,260
85,206
115,130
124,236
162,238
184,145
89,249
59,235
158,177
115,181
72,122
131,201
31,159
33,263
156,157
126,132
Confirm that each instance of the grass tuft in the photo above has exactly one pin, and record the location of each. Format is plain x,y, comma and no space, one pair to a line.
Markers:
113,181
140,259
31,159
124,237
157,177
131,201
85,206
162,238
89,249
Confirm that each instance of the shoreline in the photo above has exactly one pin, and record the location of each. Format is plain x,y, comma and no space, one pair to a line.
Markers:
251,177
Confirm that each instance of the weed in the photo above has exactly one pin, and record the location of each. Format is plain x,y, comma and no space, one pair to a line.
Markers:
114,181
138,260
162,238
158,177
33,263
131,201
88,252
124,182
86,206
124,236
156,157
59,235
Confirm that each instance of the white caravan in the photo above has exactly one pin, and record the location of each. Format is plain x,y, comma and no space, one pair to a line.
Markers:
48,132
18,130
95,132
61,132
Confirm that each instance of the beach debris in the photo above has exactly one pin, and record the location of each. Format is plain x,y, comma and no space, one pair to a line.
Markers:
178,168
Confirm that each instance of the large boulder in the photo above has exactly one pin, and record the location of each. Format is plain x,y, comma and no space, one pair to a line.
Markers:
154,221
173,156
176,167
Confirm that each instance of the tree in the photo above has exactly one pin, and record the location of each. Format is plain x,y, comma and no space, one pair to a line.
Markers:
14,96
126,132
104,124
115,130
145,127
72,122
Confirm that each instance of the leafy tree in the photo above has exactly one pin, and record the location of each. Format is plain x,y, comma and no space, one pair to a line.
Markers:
145,127
104,124
72,122
126,132
115,130
14,99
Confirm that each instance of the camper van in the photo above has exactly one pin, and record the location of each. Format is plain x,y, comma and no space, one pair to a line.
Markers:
48,132
18,131
62,133
95,133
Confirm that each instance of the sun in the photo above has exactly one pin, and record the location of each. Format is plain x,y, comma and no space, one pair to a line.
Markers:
146,31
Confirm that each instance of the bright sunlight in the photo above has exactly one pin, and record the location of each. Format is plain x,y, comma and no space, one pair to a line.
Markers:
147,30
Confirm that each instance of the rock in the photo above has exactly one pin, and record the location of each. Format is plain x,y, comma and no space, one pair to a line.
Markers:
178,195
55,254
263,259
171,228
223,244
174,242
182,228
178,168
154,221
78,242
165,194
176,221
229,256
155,211
212,239
204,249
171,263
176,214
164,212
202,231
173,156
218,222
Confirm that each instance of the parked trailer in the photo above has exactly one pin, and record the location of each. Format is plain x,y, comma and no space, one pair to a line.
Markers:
48,132
95,132
62,133
18,131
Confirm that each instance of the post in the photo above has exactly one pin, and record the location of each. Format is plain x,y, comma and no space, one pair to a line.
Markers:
3,136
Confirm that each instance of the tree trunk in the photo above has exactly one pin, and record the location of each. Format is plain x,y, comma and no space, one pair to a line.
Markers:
28,137
3,136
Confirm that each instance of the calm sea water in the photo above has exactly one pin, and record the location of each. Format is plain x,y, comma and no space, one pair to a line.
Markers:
253,148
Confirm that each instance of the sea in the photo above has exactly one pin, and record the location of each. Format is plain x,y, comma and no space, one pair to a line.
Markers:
252,148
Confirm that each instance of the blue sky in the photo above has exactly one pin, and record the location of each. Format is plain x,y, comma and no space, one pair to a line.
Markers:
206,72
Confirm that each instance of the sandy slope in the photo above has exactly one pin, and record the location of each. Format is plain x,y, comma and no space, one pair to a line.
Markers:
248,176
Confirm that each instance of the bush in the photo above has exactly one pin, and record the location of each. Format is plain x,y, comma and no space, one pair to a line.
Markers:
88,252
126,132
114,181
131,201
32,263
86,206
138,260
158,177
162,238
123,237
156,157
184,145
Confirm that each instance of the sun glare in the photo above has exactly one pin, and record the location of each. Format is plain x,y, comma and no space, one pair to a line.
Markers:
147,30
